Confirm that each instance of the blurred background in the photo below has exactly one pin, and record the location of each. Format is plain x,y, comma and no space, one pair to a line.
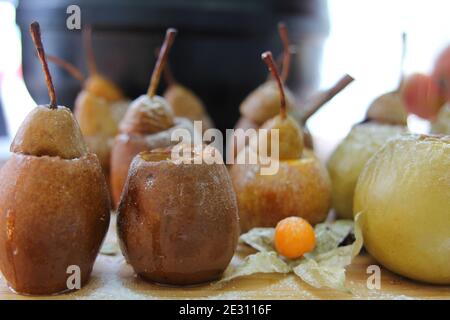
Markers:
217,51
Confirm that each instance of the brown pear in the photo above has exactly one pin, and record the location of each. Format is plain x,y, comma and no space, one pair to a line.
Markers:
96,83
50,132
263,104
302,115
100,86
290,142
185,103
54,202
97,115
300,187
178,222
148,124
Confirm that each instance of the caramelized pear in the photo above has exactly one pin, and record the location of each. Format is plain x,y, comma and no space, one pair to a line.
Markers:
50,131
311,107
96,83
148,124
290,142
263,103
54,202
97,113
300,187
100,86
178,222
185,103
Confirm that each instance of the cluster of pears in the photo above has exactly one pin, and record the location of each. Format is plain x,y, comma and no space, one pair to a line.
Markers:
262,104
54,201
300,187
99,107
148,124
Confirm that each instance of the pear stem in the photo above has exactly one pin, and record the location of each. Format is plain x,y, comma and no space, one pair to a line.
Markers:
402,61
323,97
282,30
167,72
35,31
160,63
268,59
70,68
87,40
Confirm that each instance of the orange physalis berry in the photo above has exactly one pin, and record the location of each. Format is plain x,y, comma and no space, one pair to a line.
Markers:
294,237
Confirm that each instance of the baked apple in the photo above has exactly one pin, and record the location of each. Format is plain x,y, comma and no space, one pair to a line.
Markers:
403,195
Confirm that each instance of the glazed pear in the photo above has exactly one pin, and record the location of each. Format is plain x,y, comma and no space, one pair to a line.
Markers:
349,159
403,196
300,187
99,107
96,83
263,103
147,125
185,103
302,115
54,202
178,222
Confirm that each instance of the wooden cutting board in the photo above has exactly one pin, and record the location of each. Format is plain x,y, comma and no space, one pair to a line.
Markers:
112,278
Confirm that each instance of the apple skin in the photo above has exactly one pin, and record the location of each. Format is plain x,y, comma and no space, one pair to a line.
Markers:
53,213
177,223
127,146
301,187
403,194
349,158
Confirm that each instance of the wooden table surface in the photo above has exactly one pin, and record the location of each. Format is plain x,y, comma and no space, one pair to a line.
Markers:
112,278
